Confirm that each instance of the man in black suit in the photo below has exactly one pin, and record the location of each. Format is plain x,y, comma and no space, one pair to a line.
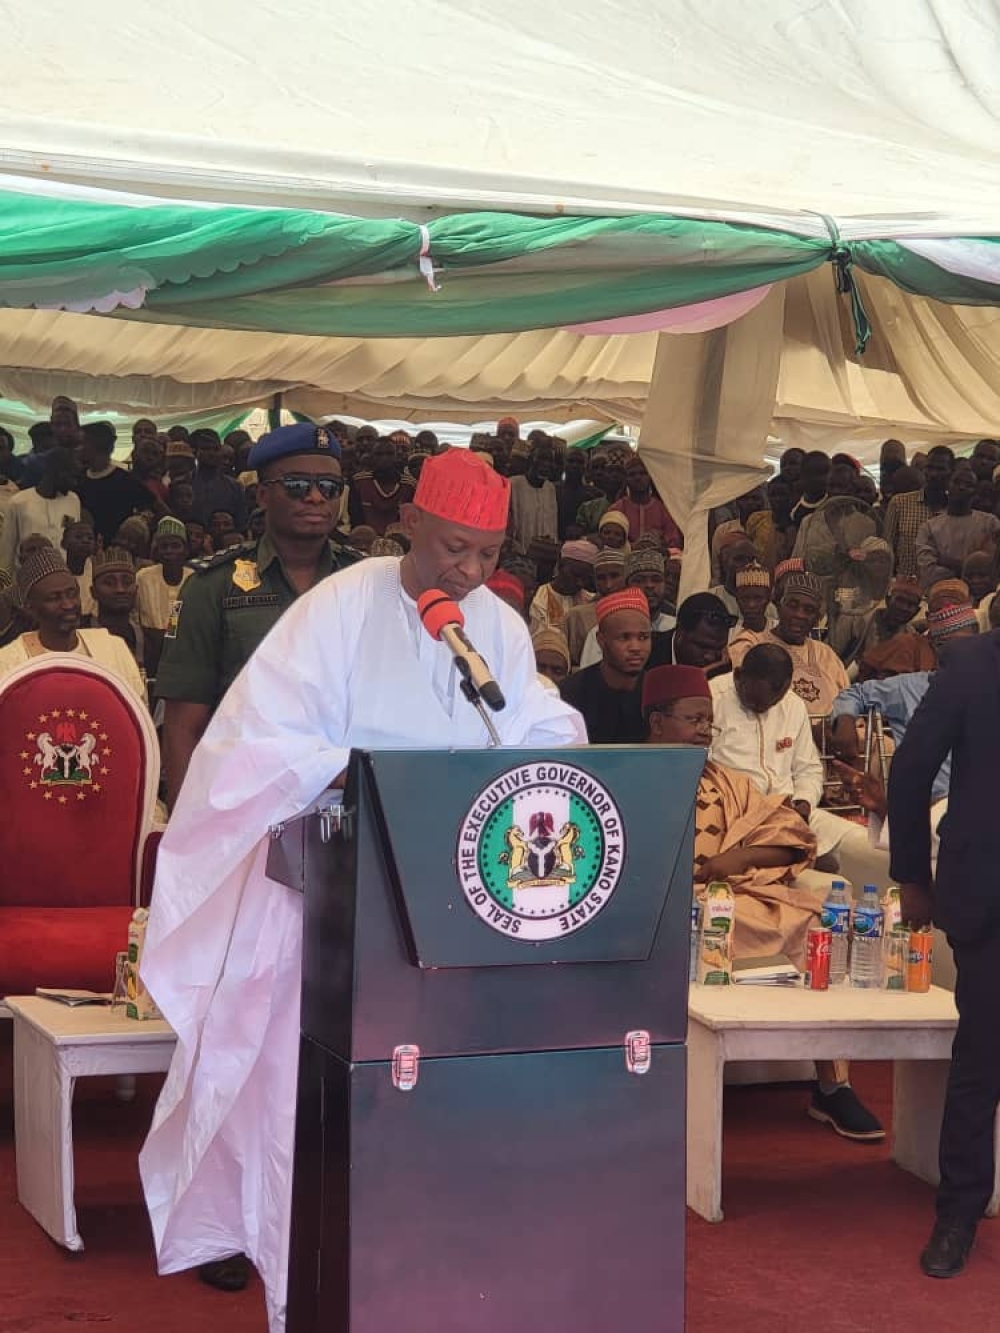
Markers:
960,713
700,636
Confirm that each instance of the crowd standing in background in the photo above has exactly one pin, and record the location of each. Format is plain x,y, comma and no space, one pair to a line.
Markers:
830,596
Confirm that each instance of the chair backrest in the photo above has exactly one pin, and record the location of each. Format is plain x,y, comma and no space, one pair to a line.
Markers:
79,767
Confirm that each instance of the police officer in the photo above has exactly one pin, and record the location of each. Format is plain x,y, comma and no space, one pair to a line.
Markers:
235,597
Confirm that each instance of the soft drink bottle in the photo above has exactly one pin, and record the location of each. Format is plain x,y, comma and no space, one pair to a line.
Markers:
895,943
837,919
695,939
866,940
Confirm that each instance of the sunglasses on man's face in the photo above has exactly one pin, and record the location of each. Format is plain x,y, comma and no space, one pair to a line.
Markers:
298,485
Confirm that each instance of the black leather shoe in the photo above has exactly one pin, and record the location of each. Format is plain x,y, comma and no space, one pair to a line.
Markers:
948,1248
230,1274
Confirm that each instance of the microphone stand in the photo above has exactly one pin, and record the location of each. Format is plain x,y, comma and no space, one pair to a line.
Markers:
474,698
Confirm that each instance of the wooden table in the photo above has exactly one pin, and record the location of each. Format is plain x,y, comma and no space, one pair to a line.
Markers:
55,1045
777,1023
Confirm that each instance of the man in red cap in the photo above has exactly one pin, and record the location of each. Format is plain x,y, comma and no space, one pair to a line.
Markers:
608,694
349,664
764,850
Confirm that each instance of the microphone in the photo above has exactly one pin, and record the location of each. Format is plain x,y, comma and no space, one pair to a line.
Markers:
443,621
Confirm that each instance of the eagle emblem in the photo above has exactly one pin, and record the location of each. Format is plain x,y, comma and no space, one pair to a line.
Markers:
71,754
541,859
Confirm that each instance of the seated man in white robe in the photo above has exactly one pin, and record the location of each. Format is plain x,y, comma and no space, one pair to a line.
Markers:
49,594
348,665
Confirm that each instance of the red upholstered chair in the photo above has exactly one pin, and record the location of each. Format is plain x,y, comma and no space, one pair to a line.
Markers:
79,766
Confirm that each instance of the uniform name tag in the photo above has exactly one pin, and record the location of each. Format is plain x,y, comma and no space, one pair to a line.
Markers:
250,600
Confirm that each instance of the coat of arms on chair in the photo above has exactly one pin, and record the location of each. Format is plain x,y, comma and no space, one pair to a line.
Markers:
71,751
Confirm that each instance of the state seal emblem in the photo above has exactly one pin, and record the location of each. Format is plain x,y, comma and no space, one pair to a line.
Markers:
541,851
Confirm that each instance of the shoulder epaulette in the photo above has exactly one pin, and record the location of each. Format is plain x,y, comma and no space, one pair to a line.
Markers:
345,552
225,557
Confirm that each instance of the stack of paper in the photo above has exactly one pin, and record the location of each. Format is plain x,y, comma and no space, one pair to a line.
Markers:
775,970
73,998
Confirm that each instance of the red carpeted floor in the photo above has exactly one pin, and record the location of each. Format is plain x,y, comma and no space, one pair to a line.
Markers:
820,1236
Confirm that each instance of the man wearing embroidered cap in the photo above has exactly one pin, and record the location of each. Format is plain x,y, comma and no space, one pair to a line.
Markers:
819,674
571,585
220,616
580,624
158,586
645,569
348,665
50,596
608,693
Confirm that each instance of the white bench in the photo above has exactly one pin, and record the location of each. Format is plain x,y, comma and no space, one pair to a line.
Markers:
53,1047
771,1023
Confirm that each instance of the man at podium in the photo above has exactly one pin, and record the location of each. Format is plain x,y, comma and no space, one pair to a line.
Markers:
349,665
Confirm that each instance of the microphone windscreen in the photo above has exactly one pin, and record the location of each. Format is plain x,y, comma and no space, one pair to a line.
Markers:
436,610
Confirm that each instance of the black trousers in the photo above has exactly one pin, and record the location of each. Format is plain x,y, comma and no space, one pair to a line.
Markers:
966,1151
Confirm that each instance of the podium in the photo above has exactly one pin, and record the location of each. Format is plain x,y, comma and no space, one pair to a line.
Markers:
490,1132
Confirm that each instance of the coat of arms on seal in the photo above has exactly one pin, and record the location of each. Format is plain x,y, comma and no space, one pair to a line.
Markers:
541,851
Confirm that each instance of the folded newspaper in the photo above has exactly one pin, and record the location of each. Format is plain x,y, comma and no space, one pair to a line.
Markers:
73,998
775,970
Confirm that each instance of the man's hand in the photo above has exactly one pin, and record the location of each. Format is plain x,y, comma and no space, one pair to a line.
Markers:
865,788
725,866
844,737
804,809
915,904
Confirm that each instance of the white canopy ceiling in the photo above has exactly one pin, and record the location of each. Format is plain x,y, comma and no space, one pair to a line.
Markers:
845,107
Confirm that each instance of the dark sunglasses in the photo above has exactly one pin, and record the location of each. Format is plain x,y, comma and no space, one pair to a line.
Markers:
298,485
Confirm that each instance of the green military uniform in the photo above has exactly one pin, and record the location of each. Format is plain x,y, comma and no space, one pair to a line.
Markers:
223,613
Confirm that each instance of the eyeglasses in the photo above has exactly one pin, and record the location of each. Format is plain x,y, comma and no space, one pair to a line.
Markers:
297,485
697,723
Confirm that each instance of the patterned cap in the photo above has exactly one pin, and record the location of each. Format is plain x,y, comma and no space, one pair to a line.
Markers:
170,527
951,620
644,560
115,558
627,599
796,565
614,518
610,558
39,565
459,487
553,641
582,550
754,576
803,585
948,592
180,449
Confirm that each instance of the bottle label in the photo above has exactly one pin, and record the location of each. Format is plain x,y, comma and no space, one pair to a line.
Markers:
836,917
867,924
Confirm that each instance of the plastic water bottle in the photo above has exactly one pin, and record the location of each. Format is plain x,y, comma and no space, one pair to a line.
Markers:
836,918
695,940
866,943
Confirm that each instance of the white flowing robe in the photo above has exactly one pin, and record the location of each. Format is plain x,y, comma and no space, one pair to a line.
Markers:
348,665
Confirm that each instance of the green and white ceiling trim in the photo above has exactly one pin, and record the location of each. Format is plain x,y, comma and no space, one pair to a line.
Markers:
304,272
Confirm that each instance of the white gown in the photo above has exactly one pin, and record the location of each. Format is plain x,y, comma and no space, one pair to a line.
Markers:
348,665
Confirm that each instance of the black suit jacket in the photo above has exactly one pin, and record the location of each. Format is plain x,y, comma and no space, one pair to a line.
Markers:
960,712
662,654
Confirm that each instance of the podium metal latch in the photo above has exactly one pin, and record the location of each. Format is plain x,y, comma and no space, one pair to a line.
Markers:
331,820
405,1067
638,1052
